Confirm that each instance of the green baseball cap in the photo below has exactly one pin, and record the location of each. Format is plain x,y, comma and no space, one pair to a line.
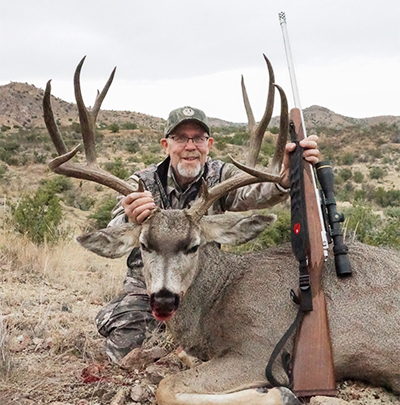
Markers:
183,114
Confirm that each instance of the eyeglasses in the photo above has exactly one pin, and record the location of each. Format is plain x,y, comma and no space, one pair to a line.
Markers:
183,140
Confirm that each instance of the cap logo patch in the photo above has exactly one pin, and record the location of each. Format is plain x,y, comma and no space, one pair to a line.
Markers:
187,112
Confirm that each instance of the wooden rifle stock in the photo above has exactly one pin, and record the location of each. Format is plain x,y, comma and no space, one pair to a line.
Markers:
313,369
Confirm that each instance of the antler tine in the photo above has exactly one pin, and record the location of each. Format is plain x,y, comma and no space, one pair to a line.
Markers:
283,132
51,123
247,106
62,163
208,197
250,175
257,132
100,96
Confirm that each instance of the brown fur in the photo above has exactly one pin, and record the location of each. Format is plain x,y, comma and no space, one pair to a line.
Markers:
236,308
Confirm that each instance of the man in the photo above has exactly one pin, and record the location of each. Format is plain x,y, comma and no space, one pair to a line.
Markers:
174,184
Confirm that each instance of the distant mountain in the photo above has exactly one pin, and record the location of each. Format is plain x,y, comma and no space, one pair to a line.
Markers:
316,116
21,105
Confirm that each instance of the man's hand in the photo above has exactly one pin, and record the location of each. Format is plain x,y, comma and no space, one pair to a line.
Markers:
138,206
311,154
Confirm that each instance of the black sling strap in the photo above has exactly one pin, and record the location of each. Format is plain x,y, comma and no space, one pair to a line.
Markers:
300,244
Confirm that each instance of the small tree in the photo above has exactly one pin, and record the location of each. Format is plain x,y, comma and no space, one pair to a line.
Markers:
38,216
102,216
114,127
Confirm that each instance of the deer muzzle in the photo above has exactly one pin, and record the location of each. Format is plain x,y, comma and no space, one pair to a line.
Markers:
163,304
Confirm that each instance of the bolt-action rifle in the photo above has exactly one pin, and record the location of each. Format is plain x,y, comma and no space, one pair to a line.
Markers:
312,369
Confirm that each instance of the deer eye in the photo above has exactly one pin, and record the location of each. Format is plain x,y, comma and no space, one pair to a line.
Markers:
193,249
145,248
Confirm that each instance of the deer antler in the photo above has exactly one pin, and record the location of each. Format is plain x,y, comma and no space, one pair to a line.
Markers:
87,118
250,175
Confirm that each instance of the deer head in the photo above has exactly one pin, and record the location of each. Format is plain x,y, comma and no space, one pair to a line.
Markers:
170,239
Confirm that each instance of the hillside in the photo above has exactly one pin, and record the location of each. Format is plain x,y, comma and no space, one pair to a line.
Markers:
21,105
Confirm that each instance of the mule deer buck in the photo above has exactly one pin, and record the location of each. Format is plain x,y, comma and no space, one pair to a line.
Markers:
229,310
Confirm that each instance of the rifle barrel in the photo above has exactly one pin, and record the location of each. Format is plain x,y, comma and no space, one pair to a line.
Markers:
292,74
296,97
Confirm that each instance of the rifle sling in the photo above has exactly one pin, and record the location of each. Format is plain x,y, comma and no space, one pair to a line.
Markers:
300,244
286,358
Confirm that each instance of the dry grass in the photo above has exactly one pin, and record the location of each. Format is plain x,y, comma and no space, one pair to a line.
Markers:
49,297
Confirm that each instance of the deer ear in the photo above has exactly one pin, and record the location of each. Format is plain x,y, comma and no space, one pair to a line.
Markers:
233,228
112,242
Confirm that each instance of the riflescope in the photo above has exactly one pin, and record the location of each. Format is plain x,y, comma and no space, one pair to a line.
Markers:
325,178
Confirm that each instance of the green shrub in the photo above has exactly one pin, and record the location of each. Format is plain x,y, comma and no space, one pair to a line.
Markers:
150,158
345,174
358,177
58,184
157,148
8,157
76,127
347,159
132,146
387,198
129,125
3,170
277,234
114,128
39,157
102,216
77,199
221,142
38,216
238,139
362,222
116,168
392,212
376,173
268,147
389,235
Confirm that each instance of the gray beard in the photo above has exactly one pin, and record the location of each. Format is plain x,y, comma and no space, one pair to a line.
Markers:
189,172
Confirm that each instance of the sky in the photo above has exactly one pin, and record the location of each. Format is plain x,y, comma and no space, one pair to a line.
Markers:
172,53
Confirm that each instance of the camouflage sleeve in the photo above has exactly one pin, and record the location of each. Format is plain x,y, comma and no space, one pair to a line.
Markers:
118,213
254,196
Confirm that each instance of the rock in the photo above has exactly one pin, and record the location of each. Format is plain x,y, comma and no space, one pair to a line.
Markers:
137,393
320,400
20,343
156,373
139,358
44,300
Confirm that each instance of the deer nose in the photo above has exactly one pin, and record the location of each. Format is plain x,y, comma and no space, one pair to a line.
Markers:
164,303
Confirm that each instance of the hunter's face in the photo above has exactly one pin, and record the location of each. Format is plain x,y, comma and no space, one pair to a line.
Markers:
188,156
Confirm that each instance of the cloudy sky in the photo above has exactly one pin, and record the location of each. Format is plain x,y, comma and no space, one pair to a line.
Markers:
171,53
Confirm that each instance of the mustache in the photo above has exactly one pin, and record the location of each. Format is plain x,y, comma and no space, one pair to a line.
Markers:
192,155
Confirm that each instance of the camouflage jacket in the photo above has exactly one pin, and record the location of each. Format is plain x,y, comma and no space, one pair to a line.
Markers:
255,196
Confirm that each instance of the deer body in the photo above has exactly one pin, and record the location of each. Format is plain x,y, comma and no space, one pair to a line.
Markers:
236,308
240,307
